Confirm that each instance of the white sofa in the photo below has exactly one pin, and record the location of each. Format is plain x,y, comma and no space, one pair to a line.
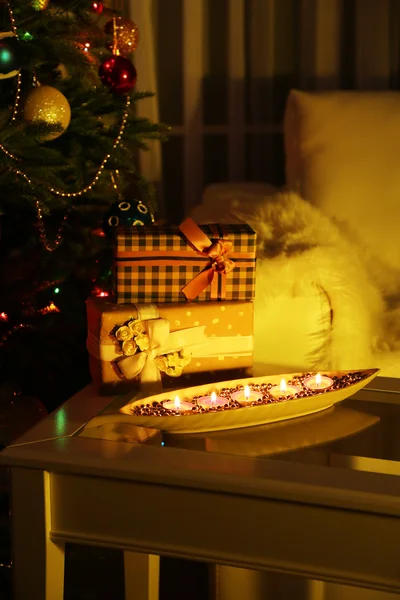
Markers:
328,291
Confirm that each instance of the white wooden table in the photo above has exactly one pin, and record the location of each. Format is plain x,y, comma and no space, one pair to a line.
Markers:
301,517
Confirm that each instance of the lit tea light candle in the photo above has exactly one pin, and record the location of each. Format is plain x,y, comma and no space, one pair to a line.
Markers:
246,396
178,405
212,401
318,382
284,390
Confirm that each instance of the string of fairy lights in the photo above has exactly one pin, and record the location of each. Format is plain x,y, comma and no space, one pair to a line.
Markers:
19,76
51,246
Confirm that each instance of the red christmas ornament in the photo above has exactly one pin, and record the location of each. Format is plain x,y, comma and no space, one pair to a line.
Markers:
118,73
98,7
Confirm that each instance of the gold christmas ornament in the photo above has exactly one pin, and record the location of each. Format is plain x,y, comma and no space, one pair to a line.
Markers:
127,37
45,103
125,33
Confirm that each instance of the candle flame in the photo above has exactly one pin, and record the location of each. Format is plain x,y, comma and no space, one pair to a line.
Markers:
246,392
213,398
318,379
177,403
283,385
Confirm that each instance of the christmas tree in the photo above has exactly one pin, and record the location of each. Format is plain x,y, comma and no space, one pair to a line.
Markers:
69,141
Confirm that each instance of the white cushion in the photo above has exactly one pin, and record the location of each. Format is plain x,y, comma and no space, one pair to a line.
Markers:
343,155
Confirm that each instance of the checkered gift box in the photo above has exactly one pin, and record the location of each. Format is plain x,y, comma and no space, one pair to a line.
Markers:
175,264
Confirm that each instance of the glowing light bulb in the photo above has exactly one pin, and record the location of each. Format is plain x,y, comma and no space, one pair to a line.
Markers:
100,293
26,36
5,56
97,7
49,309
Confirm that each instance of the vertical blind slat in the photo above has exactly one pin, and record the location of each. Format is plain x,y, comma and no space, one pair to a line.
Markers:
372,44
327,43
307,39
262,59
193,68
394,31
145,62
236,63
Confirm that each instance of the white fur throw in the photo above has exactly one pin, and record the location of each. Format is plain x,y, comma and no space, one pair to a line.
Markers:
299,248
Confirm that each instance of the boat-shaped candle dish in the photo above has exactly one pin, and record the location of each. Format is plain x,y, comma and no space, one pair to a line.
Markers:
241,402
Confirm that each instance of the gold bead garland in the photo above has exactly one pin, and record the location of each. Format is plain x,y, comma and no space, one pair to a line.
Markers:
114,176
17,98
23,175
104,162
13,330
49,246
115,38
8,153
19,76
12,19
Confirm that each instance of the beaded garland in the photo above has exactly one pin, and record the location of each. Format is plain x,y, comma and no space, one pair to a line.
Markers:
19,78
157,410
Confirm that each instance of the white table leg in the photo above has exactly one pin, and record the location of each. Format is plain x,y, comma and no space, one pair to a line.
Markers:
344,592
232,583
38,563
316,590
142,576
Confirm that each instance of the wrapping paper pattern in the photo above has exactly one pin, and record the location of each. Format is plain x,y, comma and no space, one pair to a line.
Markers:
153,264
228,329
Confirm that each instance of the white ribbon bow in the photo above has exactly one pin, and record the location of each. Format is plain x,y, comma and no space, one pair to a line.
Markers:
161,341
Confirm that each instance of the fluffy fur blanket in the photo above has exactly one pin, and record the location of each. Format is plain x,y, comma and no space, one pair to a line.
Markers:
299,247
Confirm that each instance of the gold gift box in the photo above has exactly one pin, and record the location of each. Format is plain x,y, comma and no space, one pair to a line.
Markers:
217,338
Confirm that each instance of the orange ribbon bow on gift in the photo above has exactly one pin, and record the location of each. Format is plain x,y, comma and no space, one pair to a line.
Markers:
216,251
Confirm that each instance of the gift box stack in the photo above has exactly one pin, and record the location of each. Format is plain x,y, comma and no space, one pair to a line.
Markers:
183,308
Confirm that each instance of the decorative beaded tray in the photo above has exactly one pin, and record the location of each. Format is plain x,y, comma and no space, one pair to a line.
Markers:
150,412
